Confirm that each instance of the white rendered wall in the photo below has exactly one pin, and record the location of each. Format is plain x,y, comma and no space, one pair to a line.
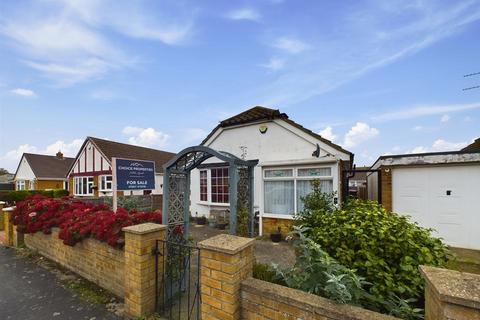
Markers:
24,171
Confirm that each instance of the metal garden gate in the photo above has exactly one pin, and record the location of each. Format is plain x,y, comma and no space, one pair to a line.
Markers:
177,283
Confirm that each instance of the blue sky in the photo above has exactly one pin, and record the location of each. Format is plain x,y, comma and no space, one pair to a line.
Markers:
376,77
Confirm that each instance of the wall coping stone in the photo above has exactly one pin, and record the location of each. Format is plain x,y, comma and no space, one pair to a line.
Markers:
2,203
454,287
226,243
144,228
9,209
310,302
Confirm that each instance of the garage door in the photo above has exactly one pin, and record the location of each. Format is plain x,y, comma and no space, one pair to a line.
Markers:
445,198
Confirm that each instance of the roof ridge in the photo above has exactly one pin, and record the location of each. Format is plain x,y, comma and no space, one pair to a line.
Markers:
45,155
128,144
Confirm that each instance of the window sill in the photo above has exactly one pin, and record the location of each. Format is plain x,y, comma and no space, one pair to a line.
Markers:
278,216
213,204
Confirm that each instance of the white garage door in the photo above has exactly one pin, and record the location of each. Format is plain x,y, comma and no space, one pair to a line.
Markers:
445,198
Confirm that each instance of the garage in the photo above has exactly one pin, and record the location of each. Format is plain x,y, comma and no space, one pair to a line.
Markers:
443,198
438,190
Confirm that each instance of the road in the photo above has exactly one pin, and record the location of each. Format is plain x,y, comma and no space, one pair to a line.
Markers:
27,291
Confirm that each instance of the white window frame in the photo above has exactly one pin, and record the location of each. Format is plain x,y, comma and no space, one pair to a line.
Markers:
207,171
104,176
20,185
79,186
295,177
209,188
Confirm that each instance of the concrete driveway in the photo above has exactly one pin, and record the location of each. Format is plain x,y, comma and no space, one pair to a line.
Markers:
27,291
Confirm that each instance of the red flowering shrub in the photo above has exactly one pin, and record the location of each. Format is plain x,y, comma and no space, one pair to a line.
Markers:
77,220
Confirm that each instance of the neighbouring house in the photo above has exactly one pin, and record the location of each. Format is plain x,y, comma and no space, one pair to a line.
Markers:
6,181
475,146
357,184
290,157
42,172
438,190
90,174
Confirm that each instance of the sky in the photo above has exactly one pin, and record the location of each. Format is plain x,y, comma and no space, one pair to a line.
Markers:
376,77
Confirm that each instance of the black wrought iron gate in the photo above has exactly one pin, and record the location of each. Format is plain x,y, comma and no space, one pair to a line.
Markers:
177,267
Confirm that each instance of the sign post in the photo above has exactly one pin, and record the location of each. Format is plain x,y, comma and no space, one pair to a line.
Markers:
131,174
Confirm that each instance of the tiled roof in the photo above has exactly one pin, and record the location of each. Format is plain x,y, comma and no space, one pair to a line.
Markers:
261,113
474,147
48,166
122,150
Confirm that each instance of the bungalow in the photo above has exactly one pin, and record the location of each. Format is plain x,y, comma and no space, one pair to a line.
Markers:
90,174
41,172
438,190
289,158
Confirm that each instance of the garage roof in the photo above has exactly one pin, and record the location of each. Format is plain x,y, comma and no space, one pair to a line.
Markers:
430,158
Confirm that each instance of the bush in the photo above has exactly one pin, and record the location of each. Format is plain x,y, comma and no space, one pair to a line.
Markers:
265,272
318,273
60,193
385,248
12,197
77,220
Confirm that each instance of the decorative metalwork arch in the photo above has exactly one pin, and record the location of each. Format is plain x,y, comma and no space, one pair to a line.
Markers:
176,188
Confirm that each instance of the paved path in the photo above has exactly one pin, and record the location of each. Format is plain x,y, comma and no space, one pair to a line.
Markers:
28,291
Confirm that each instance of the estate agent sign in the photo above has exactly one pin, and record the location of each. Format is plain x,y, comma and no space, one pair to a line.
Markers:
131,174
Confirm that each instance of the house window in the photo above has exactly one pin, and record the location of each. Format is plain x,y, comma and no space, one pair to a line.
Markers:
219,185
31,185
106,183
20,184
203,185
285,188
83,186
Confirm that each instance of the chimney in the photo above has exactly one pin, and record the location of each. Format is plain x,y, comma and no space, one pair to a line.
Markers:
59,155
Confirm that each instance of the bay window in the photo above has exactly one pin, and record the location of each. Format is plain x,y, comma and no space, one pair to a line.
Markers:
106,183
83,186
203,185
285,188
219,185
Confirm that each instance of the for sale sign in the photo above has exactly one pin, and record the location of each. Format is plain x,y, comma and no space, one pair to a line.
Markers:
134,174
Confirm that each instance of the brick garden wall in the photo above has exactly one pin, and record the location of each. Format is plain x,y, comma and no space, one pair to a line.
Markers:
264,300
270,225
92,259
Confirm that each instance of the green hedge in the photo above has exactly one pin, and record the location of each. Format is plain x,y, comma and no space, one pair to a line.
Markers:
11,197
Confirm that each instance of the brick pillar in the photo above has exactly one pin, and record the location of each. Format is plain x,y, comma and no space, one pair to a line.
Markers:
386,187
225,261
2,205
140,242
450,294
8,225
18,237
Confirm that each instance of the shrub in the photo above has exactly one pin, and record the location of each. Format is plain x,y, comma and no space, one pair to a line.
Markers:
60,193
318,273
265,272
12,197
385,248
77,220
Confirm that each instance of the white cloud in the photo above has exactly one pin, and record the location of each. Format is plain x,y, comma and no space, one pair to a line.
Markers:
69,149
146,137
421,111
417,128
290,45
244,14
274,64
445,118
440,145
358,134
339,54
24,92
328,134
11,158
66,41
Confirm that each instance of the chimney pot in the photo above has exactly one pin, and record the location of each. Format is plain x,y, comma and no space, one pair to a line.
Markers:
59,155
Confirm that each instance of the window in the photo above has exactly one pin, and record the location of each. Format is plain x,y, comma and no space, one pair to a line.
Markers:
31,185
285,188
83,186
20,184
105,183
203,185
219,185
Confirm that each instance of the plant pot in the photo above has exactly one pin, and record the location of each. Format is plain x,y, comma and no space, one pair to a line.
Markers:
221,226
202,221
276,237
